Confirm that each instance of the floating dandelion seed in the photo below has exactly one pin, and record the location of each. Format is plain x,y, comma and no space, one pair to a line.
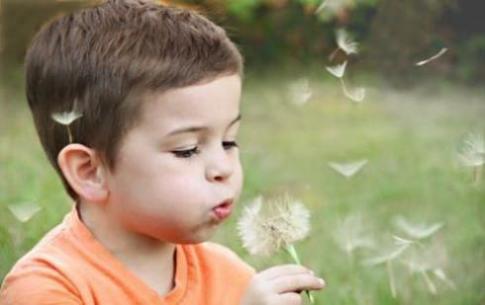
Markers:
355,94
387,258
337,70
300,92
429,282
440,274
392,281
69,117
471,159
420,267
23,212
321,6
66,119
424,263
417,265
417,231
279,224
350,235
348,169
473,154
436,56
399,241
345,42
328,8
475,143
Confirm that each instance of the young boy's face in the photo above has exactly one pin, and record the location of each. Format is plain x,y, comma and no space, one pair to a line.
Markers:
178,172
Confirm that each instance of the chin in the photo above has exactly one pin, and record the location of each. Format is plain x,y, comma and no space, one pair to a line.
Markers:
198,237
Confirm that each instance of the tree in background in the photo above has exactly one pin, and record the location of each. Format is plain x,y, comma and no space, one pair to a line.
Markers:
392,34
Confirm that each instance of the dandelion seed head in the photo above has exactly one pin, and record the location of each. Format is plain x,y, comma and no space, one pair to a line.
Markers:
337,70
265,228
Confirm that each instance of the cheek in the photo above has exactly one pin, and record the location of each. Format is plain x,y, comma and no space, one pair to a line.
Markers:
152,186
238,179
179,190
162,205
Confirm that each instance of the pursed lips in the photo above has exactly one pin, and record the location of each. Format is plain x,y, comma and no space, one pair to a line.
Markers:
223,209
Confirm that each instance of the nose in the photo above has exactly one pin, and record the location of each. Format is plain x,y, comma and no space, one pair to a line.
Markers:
220,166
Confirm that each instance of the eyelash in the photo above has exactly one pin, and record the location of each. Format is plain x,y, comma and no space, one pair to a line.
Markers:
188,153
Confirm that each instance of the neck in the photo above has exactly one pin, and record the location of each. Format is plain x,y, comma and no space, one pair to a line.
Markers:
150,259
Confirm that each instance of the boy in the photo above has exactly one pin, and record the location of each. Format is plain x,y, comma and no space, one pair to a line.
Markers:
151,163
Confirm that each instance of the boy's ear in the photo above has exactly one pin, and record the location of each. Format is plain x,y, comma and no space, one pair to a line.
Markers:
84,171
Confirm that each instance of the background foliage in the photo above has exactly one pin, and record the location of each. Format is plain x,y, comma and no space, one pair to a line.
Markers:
393,34
409,128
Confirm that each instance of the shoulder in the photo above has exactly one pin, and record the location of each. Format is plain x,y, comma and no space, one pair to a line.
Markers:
41,276
223,257
32,282
219,270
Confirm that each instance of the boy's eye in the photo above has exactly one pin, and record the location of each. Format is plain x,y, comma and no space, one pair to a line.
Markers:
186,153
229,144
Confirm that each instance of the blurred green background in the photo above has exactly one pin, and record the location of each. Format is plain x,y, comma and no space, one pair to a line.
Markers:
410,127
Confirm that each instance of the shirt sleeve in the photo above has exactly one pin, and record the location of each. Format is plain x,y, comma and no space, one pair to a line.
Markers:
38,286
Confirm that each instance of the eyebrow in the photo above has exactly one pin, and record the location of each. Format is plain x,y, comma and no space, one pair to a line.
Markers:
199,128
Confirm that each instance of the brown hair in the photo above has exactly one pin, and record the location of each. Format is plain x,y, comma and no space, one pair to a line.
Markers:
102,59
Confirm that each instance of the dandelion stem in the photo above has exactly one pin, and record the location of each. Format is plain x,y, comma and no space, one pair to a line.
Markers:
69,133
294,255
429,282
17,235
390,273
477,173
332,55
344,88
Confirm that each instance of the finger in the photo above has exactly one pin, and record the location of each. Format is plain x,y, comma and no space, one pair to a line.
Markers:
298,282
290,298
283,270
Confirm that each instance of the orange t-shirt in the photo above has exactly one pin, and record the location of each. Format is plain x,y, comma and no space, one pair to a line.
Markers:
69,266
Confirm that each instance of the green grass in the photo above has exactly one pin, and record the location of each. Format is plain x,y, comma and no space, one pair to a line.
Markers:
410,138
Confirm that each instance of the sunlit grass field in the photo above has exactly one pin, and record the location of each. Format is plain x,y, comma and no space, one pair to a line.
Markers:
410,139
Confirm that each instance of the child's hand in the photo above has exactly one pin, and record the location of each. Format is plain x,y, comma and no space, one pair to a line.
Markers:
281,285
